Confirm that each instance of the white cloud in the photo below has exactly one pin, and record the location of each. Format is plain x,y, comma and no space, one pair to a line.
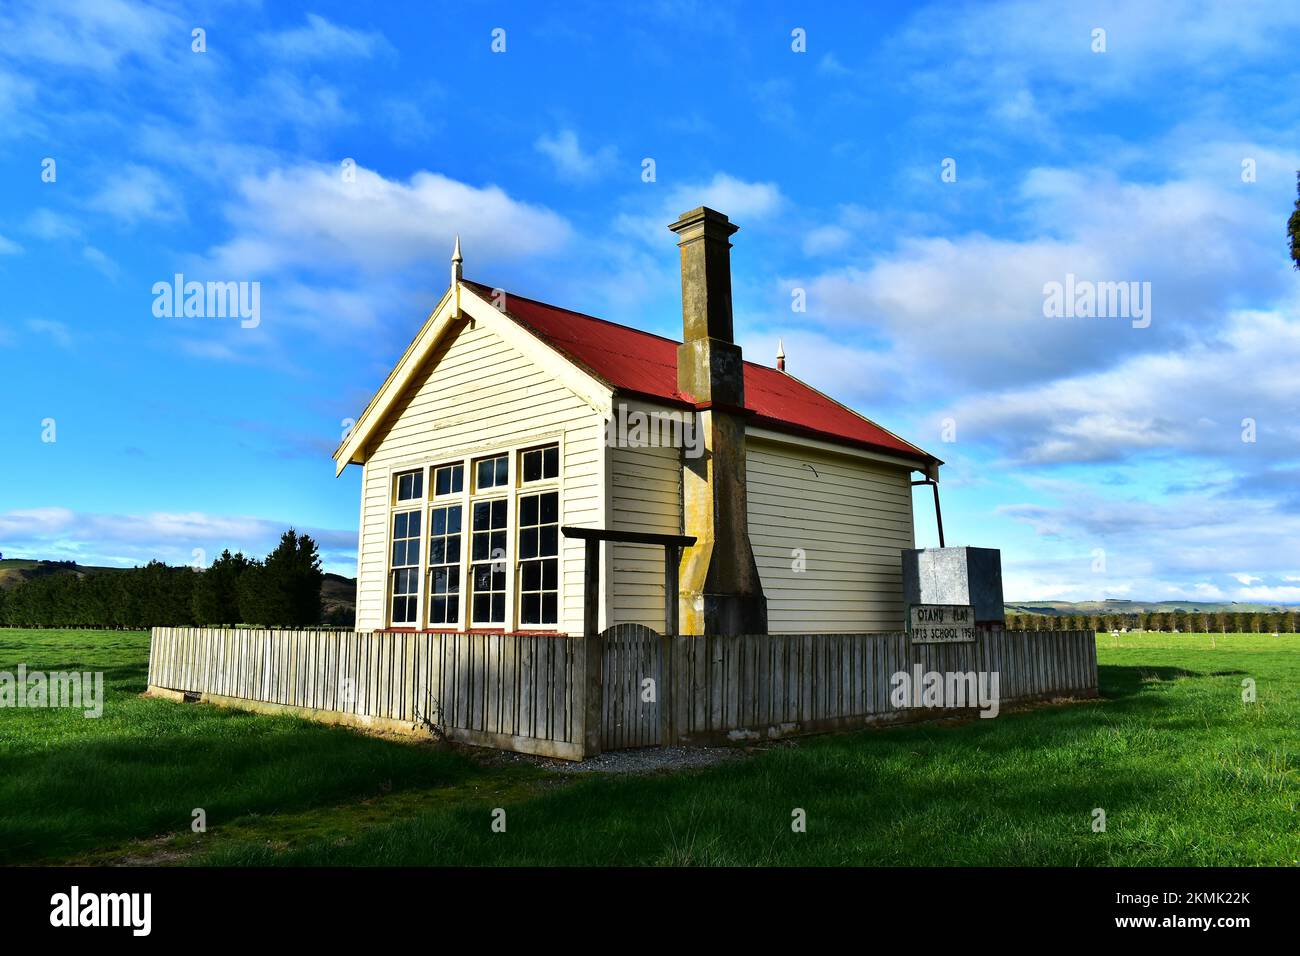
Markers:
48,225
8,247
324,40
1162,402
134,193
93,35
100,261
570,159
1247,578
57,331
308,217
738,199
122,539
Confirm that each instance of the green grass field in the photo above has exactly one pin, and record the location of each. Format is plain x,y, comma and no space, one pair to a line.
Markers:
1187,773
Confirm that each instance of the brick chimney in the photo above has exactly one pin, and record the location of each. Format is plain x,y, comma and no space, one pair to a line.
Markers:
720,589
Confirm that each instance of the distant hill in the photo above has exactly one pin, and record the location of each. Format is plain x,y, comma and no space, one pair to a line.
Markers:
338,597
338,594
14,571
1057,608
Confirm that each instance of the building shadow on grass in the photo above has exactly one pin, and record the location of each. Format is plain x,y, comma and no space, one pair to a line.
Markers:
1119,681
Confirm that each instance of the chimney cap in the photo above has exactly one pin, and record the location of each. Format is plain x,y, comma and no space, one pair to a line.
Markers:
705,218
780,355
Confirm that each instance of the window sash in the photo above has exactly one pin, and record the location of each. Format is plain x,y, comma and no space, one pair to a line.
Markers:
484,579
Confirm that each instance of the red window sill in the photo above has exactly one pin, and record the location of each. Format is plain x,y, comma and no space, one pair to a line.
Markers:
477,630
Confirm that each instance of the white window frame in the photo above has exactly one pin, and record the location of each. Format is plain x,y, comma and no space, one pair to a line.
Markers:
511,491
406,506
435,501
522,490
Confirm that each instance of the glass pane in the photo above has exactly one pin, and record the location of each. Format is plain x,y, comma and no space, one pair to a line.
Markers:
439,581
502,462
550,540
413,523
528,510
484,478
550,507
417,489
442,481
482,577
530,575
453,580
498,545
482,606
399,525
480,550
453,551
527,544
530,611
439,524
549,605
499,513
498,576
532,466
482,515
551,467
438,610
498,607
550,573
453,520
457,479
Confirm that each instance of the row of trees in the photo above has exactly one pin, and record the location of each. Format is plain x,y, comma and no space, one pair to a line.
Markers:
1198,622
281,591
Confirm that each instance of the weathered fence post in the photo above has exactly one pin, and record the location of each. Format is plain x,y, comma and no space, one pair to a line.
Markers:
593,693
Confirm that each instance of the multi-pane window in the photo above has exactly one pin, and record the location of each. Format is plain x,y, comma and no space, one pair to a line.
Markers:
491,472
540,464
444,564
495,566
448,480
406,567
539,548
488,561
410,485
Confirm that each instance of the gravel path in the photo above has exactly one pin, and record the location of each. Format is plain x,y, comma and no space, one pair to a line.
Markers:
642,760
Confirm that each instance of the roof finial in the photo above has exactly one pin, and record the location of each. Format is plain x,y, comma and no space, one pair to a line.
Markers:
780,356
456,260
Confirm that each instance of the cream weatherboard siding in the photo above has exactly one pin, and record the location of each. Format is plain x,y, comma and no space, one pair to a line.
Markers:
477,394
850,516
645,494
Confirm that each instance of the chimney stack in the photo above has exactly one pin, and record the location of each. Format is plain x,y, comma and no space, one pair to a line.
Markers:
780,356
720,591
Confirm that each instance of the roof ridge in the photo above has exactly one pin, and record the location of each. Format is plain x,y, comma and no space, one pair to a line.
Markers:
581,315
596,318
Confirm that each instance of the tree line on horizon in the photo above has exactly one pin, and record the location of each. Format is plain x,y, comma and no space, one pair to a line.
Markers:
282,590
1195,622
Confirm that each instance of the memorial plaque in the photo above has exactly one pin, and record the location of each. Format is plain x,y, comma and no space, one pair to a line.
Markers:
941,623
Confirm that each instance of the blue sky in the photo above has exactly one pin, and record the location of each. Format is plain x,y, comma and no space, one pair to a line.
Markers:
1105,459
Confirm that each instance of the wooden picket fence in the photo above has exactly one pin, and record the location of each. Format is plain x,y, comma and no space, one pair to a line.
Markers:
510,691
571,697
752,687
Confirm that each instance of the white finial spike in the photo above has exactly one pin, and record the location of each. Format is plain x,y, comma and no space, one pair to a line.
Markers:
456,260
780,356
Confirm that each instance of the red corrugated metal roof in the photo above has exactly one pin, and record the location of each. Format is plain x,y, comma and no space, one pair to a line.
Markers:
639,363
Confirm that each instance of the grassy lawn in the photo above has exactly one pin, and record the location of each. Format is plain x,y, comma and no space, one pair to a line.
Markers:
1187,773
